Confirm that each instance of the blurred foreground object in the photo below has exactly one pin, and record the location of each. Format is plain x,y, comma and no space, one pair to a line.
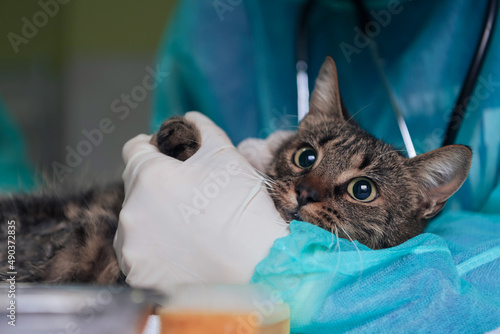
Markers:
248,309
74,309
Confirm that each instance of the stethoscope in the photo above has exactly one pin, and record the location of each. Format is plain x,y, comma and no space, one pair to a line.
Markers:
460,106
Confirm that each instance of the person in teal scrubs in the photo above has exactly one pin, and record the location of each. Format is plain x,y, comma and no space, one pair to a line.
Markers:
16,171
235,61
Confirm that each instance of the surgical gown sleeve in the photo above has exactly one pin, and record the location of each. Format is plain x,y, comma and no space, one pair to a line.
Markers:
427,285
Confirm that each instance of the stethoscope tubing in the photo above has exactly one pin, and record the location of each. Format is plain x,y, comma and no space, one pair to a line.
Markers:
460,108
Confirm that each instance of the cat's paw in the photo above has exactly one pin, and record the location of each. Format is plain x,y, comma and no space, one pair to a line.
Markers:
178,138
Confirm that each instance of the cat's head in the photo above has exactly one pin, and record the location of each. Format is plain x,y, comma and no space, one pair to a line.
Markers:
333,174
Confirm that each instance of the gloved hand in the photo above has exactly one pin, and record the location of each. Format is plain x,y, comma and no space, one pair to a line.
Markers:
207,219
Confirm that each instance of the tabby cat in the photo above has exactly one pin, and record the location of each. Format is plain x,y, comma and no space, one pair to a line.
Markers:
330,173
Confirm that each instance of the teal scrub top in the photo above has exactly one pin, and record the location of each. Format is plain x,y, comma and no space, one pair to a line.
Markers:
235,62
16,171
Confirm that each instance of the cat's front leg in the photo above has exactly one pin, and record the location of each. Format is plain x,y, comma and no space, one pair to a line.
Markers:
177,138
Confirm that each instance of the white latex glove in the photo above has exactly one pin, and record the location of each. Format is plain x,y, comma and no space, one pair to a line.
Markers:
207,219
260,152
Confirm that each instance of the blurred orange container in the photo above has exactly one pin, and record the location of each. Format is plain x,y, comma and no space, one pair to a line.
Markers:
224,309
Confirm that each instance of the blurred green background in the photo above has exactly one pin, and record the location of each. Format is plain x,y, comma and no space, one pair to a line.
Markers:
64,79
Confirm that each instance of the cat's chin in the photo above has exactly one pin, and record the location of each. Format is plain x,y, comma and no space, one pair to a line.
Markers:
288,216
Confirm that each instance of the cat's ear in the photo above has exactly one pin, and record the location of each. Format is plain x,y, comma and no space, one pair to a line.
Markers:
325,100
441,172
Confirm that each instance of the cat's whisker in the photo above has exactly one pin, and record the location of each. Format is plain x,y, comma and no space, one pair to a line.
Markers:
273,192
266,178
357,112
337,235
363,108
270,184
266,182
258,174
338,247
357,249
333,240
269,189
248,171
254,177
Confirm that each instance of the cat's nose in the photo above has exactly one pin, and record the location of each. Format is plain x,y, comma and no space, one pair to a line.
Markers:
306,194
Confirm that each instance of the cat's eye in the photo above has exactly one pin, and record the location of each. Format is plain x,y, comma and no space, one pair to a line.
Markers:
362,189
305,157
